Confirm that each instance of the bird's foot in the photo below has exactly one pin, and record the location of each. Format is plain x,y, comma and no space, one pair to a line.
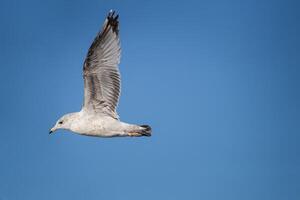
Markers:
133,134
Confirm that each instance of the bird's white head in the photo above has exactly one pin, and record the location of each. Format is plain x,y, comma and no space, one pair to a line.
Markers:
64,122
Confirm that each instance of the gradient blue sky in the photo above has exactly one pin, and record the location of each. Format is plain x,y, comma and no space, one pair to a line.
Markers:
217,80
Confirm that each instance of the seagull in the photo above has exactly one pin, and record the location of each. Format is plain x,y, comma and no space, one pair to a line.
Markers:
98,116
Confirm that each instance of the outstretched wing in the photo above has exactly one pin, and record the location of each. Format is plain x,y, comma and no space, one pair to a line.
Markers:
100,70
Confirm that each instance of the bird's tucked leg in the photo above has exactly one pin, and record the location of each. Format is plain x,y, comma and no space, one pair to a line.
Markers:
134,134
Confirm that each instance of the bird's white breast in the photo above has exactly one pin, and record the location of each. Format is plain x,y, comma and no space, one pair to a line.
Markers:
97,125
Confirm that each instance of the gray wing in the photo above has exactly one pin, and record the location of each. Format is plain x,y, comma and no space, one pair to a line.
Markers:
100,70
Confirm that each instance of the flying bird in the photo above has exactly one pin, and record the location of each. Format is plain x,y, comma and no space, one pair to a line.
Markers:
98,116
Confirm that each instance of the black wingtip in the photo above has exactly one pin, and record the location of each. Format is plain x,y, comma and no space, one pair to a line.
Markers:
111,15
147,130
113,20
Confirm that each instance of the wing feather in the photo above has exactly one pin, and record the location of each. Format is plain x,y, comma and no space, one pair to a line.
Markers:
102,82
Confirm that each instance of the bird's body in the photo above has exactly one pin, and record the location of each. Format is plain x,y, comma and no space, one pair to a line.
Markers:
86,123
98,116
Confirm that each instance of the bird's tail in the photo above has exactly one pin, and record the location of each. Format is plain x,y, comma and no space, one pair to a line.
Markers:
146,131
139,130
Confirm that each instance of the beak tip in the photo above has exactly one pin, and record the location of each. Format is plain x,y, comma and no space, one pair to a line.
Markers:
50,132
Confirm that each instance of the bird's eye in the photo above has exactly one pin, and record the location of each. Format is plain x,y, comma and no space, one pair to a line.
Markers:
61,122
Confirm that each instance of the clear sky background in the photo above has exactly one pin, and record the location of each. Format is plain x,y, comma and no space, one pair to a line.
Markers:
218,81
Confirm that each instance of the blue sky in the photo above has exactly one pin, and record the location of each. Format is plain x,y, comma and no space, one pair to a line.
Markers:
218,81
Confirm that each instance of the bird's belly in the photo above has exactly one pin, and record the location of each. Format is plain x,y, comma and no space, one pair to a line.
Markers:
99,128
